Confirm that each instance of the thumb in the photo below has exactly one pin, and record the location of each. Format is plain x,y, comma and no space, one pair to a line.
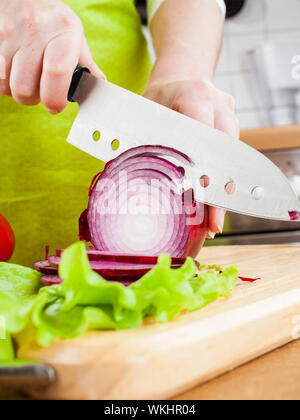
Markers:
86,59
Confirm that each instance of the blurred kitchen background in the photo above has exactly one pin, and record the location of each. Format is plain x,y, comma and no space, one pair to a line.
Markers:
260,66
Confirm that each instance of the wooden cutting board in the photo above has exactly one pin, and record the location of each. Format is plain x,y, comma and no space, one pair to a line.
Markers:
160,361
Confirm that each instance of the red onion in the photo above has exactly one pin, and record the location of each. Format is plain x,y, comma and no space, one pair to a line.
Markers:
247,279
138,209
294,215
84,232
45,267
95,255
137,206
125,269
112,269
51,280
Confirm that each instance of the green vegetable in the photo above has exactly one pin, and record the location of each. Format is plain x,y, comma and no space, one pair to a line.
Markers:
85,301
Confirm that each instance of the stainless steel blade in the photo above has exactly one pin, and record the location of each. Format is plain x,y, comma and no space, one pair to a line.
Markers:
261,188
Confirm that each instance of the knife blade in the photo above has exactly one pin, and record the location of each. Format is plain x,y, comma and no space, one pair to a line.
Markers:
113,113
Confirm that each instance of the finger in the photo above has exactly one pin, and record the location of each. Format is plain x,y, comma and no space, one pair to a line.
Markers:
203,112
198,110
86,60
5,66
226,120
25,75
215,221
60,59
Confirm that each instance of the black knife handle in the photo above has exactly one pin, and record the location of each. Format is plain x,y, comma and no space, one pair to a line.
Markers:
26,375
78,72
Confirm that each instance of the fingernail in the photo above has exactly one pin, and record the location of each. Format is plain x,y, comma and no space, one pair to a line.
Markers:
211,234
52,111
100,74
220,220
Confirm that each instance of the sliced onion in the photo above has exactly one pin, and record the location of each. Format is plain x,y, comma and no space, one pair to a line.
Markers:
113,269
123,270
294,215
84,232
51,280
130,224
44,267
159,221
247,279
95,255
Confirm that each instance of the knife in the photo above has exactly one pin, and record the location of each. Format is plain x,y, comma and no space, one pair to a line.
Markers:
122,118
26,374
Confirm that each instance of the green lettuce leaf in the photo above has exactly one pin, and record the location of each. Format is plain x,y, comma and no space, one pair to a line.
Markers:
85,301
6,348
18,289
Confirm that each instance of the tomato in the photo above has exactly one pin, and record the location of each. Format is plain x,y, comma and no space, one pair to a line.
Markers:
7,240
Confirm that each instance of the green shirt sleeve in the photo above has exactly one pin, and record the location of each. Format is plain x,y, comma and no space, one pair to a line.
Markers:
153,6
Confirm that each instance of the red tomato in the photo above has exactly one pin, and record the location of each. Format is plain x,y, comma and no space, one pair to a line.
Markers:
7,240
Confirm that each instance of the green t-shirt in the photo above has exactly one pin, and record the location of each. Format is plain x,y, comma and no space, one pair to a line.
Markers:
44,180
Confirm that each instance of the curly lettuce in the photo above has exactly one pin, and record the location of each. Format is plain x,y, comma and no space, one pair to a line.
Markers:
85,301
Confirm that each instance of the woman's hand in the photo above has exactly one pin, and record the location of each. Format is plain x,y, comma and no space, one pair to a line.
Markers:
41,42
187,37
202,101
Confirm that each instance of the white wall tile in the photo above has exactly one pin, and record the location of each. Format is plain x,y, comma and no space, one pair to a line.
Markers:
224,82
282,14
246,92
285,36
238,47
253,119
250,20
260,21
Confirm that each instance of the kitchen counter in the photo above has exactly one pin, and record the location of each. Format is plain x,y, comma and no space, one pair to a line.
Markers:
275,376
273,138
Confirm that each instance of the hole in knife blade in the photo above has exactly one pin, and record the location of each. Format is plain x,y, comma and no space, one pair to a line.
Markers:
258,193
204,181
96,135
115,144
230,188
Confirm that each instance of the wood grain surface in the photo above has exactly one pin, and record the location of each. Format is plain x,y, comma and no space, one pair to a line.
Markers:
273,376
161,361
273,138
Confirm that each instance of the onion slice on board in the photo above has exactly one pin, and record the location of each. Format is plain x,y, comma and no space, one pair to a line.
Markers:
95,255
51,280
123,270
45,267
